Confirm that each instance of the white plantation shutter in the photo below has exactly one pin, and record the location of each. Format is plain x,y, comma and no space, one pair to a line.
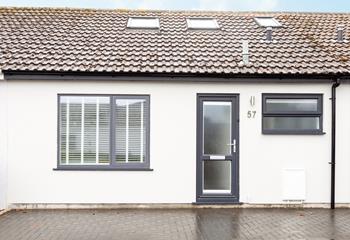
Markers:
74,123
103,130
84,130
120,131
130,130
90,130
63,131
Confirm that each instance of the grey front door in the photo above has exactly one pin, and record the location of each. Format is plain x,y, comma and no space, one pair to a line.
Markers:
217,148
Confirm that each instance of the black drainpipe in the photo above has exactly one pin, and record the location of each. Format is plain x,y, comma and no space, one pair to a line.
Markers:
336,83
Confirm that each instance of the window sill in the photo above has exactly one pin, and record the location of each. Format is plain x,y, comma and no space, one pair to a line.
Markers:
81,168
291,133
217,203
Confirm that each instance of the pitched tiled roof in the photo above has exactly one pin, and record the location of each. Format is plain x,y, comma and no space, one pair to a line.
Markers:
50,39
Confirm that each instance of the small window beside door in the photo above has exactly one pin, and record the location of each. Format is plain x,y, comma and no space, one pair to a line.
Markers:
292,114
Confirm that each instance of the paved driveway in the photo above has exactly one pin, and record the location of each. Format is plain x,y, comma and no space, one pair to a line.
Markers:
218,224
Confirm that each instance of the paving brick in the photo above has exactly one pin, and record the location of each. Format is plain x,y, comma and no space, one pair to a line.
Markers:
190,224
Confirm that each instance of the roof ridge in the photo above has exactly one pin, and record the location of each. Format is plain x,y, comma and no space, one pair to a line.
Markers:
171,11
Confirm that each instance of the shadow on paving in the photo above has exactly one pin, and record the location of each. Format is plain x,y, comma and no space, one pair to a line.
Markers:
176,224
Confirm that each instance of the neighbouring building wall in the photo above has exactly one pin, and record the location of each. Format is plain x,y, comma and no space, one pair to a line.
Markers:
3,145
32,146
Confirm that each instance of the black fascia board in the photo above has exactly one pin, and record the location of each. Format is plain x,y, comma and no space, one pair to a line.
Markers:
148,76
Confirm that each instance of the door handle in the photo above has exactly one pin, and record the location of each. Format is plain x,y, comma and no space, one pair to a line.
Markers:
233,144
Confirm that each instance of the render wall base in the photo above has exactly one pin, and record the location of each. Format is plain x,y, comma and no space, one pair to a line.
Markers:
3,211
22,206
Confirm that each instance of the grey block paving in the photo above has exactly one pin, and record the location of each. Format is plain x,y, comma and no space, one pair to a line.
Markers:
189,224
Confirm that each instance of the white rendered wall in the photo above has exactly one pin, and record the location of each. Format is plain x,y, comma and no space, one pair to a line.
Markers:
3,145
343,144
32,143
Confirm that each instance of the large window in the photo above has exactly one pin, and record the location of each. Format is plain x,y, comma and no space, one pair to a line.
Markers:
292,114
103,132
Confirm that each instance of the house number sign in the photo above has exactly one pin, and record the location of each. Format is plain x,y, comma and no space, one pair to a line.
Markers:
251,113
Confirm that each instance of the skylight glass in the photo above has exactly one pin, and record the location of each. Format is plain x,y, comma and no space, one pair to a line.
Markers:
143,22
202,23
267,22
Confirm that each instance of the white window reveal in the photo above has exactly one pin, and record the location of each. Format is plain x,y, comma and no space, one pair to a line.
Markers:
267,22
143,22
202,23
87,124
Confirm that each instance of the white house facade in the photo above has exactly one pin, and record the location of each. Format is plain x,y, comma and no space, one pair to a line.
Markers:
78,137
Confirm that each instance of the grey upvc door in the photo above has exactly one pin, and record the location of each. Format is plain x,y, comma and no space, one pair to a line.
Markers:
217,148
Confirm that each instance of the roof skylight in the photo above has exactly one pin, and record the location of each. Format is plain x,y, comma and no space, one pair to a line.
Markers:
267,22
143,22
202,23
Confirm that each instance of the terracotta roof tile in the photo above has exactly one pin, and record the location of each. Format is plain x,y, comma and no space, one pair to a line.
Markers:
53,39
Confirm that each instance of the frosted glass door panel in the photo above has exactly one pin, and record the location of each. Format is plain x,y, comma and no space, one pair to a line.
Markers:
217,177
217,128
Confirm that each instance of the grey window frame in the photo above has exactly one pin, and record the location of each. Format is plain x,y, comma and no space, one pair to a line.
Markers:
318,113
113,165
